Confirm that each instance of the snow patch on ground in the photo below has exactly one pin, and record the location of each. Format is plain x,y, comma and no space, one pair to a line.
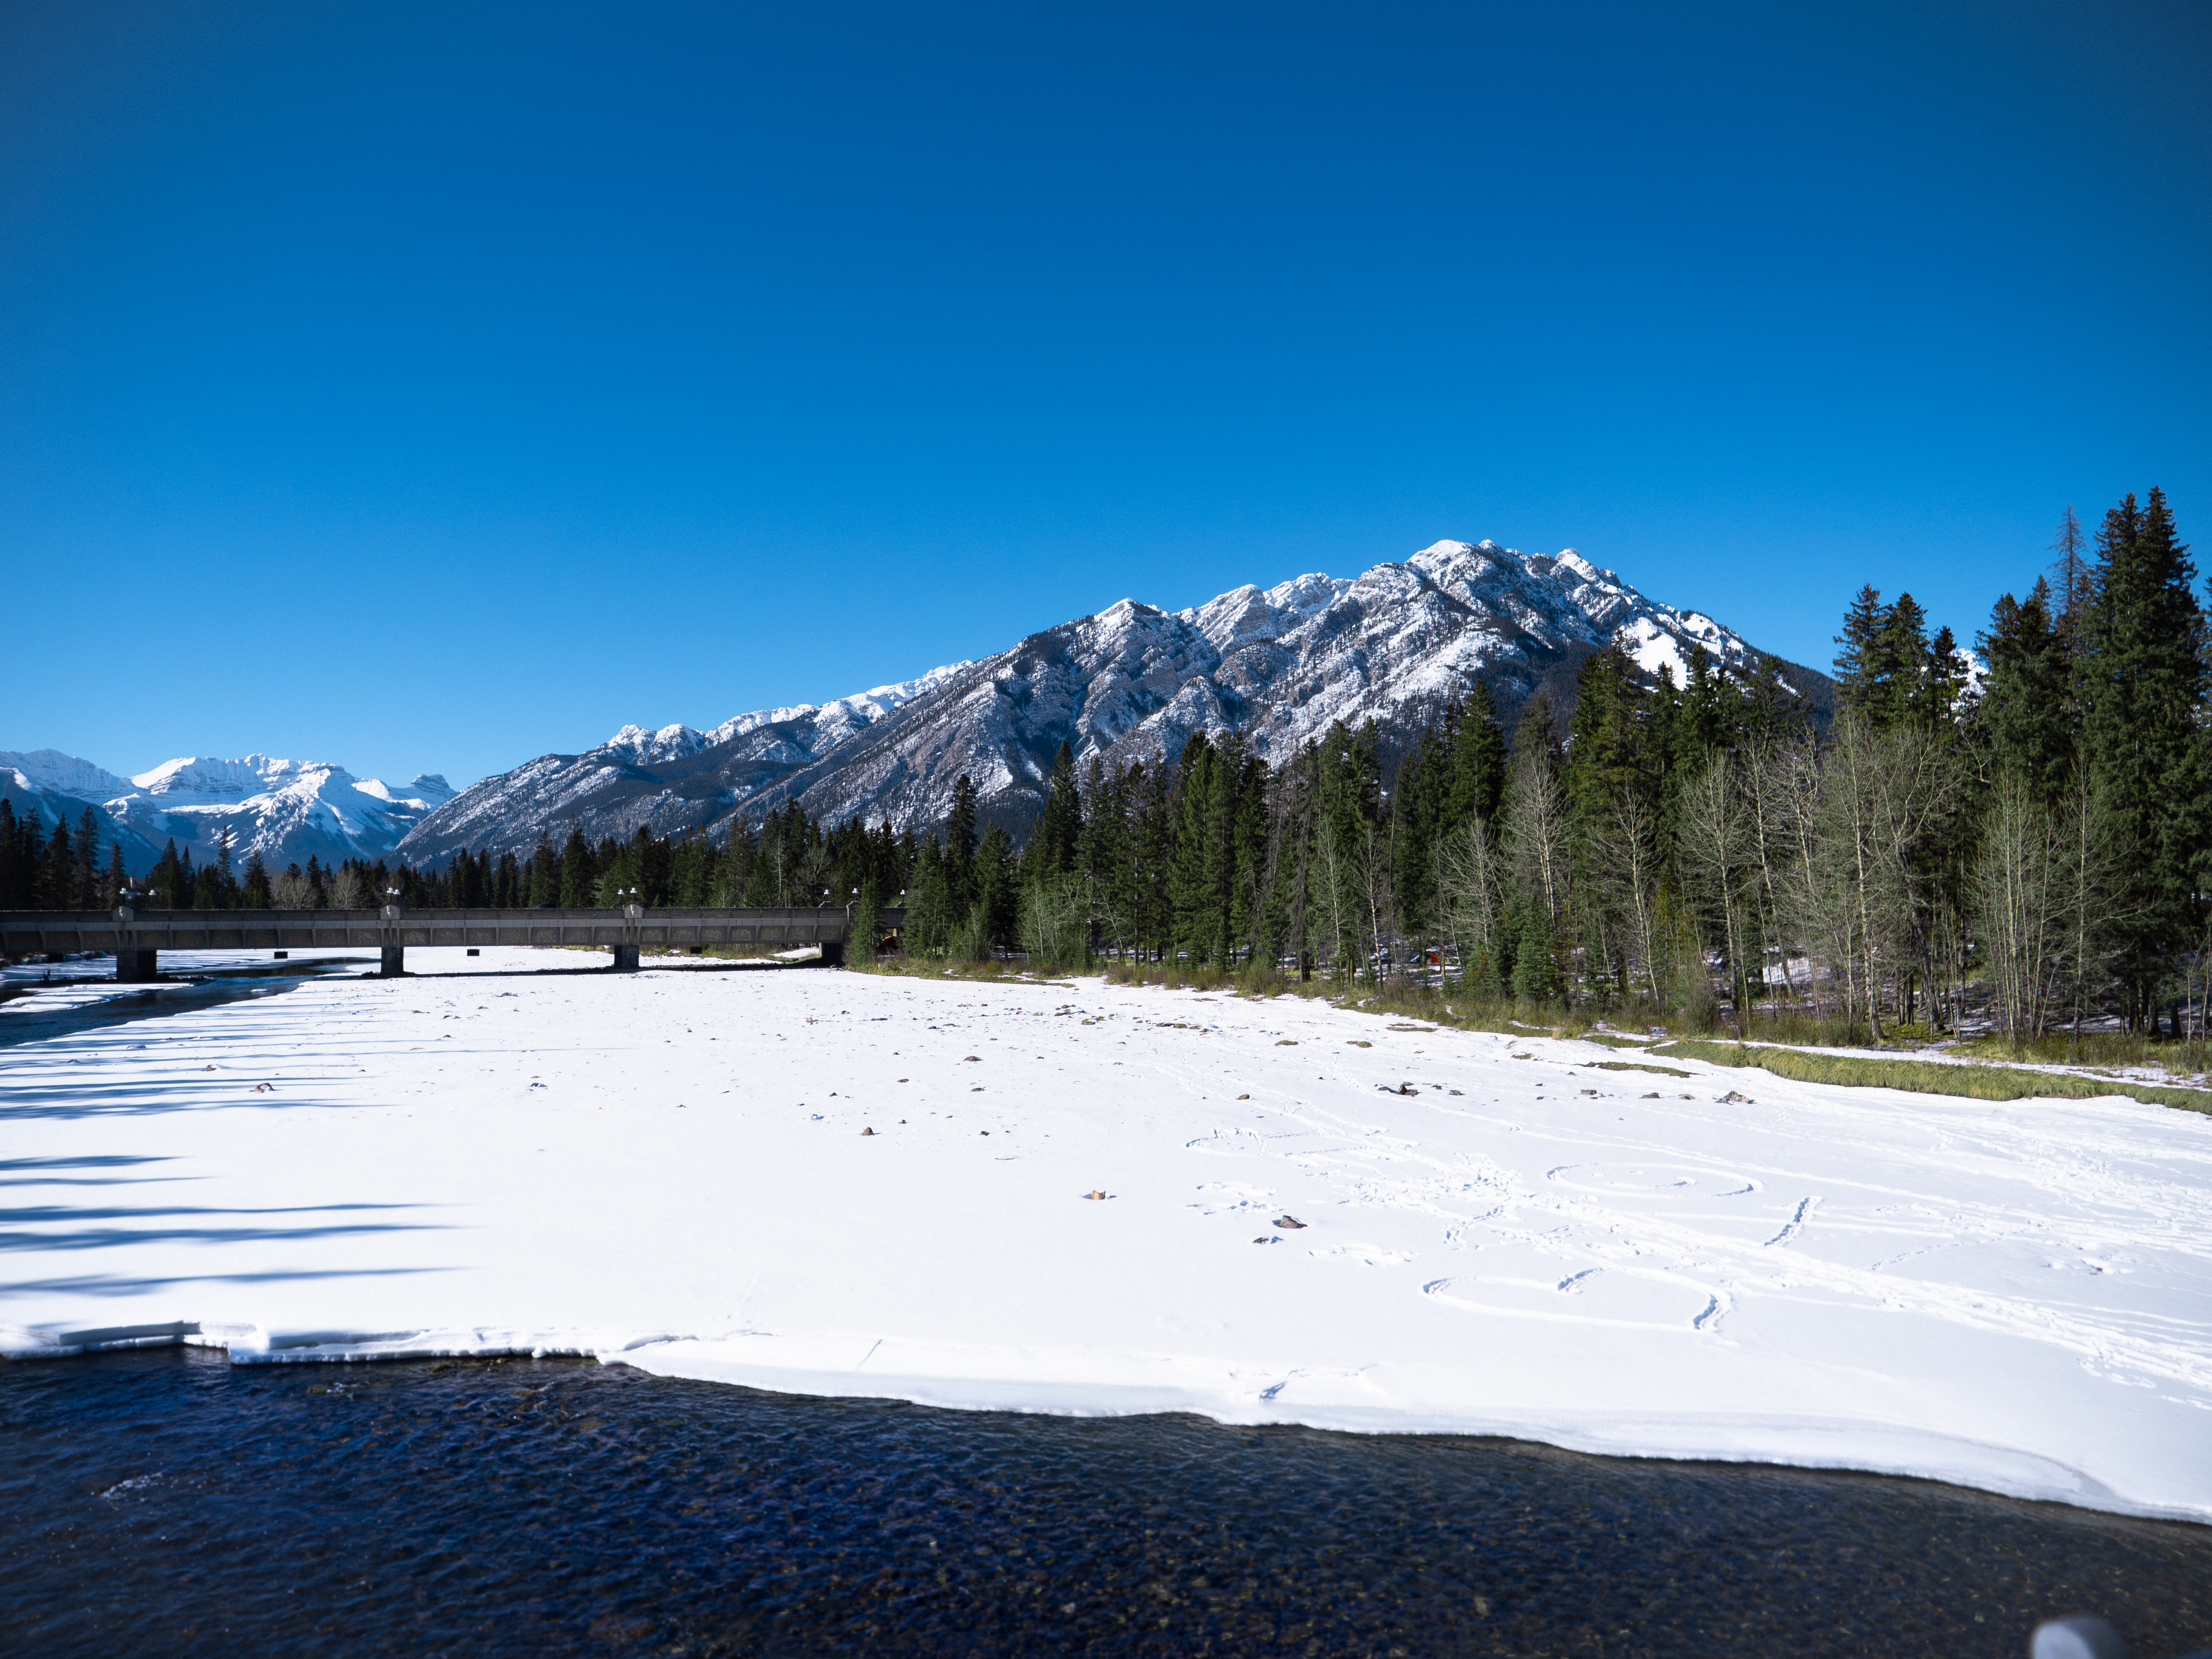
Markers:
669,1169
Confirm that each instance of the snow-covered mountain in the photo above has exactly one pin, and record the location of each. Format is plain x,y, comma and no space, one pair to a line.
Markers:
673,779
287,810
1277,664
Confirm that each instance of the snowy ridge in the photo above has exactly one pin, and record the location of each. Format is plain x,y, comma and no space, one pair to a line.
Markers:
1277,665
831,723
52,771
673,779
285,810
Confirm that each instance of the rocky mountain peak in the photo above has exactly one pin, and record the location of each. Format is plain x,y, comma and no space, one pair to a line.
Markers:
1130,683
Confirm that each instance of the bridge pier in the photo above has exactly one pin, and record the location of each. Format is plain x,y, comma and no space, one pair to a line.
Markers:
625,959
135,967
395,962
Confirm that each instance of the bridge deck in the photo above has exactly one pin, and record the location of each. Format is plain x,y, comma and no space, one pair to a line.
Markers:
139,933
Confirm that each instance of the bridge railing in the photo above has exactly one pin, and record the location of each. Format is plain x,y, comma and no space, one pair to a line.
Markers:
135,933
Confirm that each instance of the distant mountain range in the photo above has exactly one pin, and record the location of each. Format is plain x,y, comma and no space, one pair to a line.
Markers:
287,810
1394,644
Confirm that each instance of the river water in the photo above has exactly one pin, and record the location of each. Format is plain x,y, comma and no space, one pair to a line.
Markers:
166,1502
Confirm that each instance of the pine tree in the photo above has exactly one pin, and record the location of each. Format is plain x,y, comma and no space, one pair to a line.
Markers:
1061,827
860,945
544,873
998,896
226,883
580,872
1607,755
2145,694
928,918
1193,883
1535,954
1245,919
86,894
2025,712
1860,667
12,883
1155,858
57,875
957,855
1905,662
167,882
2075,601
1418,797
1478,778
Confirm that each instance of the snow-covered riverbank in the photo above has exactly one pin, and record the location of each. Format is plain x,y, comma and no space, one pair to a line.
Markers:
672,1168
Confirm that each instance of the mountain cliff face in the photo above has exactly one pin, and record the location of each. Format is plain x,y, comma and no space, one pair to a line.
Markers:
287,810
1277,664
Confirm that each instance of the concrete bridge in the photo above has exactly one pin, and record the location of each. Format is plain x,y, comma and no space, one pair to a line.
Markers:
136,936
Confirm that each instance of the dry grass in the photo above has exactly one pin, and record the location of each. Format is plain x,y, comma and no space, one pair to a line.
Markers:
1974,1082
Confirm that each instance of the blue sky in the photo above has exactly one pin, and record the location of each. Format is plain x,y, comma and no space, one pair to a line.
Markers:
432,386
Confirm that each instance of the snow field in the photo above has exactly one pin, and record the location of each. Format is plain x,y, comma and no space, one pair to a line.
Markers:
1498,1235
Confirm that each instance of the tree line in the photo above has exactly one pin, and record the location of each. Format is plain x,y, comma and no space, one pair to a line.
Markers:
2031,833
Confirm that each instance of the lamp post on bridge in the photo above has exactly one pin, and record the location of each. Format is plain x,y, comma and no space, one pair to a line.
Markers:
393,947
134,965
633,910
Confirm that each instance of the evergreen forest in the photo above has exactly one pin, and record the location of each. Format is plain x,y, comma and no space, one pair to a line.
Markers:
2020,837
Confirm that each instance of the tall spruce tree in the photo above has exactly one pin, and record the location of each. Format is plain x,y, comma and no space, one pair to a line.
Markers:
1862,665
579,871
957,854
997,903
86,894
2145,697
2025,713
1478,778
1193,882
13,895
1061,827
58,874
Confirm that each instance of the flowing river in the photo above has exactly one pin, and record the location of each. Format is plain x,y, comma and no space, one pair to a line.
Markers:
166,1502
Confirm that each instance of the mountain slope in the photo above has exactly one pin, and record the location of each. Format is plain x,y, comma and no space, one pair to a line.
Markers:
1278,664
673,779
286,811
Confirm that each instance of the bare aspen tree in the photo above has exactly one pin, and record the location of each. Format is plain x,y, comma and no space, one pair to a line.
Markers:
1883,792
1786,797
1470,880
2017,909
2088,887
1851,840
1332,912
1372,872
1536,831
1717,841
1625,865
348,891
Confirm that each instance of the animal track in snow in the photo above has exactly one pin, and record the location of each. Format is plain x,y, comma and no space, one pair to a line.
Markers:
1651,1180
